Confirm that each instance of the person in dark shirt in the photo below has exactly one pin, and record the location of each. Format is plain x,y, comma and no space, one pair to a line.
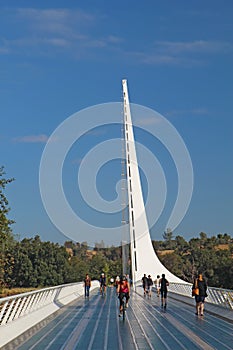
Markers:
103,284
144,284
200,284
163,283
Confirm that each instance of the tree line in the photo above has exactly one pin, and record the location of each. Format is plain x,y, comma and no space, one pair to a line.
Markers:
31,262
212,256
34,263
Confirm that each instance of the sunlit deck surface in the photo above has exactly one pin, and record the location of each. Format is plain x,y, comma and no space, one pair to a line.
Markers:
94,324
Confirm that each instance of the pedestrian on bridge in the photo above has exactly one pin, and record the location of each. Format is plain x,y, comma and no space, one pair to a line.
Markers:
157,285
200,286
150,284
145,284
87,285
163,283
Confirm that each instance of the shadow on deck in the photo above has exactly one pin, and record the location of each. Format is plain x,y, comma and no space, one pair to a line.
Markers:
94,324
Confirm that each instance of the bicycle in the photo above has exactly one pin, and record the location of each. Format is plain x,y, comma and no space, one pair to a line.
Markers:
123,307
103,292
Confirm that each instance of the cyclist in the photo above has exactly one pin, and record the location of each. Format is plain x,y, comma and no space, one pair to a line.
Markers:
102,281
117,281
123,291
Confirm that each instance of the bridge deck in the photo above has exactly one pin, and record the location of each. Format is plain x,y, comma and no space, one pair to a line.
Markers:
94,324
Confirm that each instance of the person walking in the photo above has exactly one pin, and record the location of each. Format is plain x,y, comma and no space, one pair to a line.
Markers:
163,283
157,285
200,287
144,284
149,284
87,285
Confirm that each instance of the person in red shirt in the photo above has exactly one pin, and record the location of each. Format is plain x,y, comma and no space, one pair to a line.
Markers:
123,291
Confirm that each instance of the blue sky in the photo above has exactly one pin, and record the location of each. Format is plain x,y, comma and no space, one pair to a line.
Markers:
59,57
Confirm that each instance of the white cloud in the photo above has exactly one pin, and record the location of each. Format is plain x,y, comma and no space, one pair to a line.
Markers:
59,21
59,42
4,50
189,53
32,139
148,121
196,46
194,111
73,32
44,31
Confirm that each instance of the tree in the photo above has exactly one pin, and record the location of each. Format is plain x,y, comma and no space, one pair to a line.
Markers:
173,262
181,245
157,245
6,237
203,238
4,208
167,236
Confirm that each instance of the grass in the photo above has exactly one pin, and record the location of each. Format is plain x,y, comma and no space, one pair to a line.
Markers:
5,292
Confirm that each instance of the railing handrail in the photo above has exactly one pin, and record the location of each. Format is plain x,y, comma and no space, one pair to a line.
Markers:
16,306
10,297
24,310
218,296
216,288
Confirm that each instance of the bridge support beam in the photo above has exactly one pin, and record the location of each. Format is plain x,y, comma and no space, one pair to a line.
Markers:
143,256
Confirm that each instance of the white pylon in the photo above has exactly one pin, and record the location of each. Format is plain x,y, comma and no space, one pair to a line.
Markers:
143,257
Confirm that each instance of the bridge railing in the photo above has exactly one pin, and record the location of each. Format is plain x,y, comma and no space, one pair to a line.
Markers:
20,312
14,307
217,296
23,311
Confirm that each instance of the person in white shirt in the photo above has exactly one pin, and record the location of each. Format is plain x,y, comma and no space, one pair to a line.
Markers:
157,285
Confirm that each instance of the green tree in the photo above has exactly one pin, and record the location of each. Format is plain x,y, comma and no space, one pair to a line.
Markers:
97,265
39,264
167,236
174,263
6,237
181,245
79,268
203,238
157,245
